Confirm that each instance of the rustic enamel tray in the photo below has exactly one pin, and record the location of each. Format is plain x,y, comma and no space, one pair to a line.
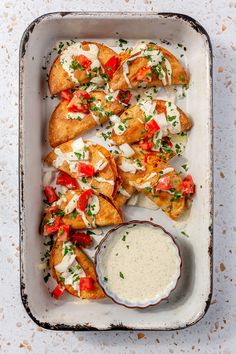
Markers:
189,302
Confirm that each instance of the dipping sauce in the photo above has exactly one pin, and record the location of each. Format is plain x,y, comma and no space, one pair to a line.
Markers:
138,264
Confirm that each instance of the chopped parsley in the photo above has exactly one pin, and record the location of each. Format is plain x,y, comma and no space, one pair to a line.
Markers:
185,167
73,215
75,65
122,41
46,278
122,275
184,233
176,197
105,279
124,238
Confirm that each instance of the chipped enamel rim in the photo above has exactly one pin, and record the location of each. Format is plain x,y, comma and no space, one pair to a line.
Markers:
22,233
98,255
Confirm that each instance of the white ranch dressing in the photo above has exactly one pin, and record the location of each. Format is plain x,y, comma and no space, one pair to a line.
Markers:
70,207
75,115
96,118
125,74
173,118
124,192
67,55
147,107
100,165
79,152
85,220
153,174
94,205
166,170
146,270
111,96
103,180
142,185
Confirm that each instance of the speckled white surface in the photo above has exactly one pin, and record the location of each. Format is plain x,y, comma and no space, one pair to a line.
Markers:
215,333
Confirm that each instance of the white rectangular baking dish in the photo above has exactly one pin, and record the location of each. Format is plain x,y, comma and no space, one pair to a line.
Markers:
190,302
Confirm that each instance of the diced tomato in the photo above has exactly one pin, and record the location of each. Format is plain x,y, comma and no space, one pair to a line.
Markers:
66,95
188,186
152,127
148,157
81,93
50,194
82,239
63,179
86,283
63,232
79,102
58,291
52,227
146,145
124,96
84,198
83,61
85,170
111,66
144,74
118,181
167,140
51,209
163,184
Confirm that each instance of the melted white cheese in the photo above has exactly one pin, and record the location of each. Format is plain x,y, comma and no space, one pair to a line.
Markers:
142,267
67,55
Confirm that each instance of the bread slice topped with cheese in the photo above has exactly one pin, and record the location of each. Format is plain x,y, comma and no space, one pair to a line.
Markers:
82,63
74,271
149,121
78,112
91,164
149,65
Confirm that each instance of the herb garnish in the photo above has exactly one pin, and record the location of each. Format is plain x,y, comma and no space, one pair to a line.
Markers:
122,275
